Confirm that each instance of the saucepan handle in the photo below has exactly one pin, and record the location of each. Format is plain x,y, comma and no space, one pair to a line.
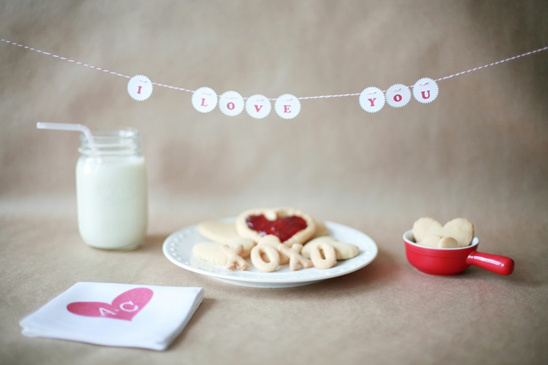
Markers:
501,265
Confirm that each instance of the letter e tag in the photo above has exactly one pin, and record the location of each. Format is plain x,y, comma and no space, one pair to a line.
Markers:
287,106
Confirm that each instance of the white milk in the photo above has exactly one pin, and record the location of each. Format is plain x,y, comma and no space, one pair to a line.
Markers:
112,200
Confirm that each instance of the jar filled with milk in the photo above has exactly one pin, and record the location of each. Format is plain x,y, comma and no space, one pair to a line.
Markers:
111,188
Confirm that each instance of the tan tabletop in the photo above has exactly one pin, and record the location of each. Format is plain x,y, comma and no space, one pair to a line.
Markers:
478,151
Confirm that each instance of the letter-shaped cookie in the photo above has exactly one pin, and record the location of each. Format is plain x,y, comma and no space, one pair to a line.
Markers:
274,241
296,260
343,250
323,255
233,258
265,258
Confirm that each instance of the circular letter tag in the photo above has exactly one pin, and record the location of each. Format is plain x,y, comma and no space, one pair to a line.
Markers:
139,87
398,95
258,106
231,103
372,99
204,99
287,106
425,90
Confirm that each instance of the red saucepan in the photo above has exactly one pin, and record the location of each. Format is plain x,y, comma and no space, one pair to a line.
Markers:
451,261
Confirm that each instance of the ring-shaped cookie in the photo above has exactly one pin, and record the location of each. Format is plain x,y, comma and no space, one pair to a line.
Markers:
244,227
325,261
273,241
271,254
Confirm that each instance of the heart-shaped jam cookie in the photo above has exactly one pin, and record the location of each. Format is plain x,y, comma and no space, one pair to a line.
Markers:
288,224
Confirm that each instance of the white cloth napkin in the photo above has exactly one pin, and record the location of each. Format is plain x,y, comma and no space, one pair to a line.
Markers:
112,314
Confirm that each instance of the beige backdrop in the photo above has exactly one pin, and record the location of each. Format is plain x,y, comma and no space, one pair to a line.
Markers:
479,151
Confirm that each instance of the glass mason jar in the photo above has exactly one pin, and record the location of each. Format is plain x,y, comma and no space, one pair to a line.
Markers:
111,190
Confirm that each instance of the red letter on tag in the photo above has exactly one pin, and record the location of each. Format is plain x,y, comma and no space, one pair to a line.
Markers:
287,109
372,101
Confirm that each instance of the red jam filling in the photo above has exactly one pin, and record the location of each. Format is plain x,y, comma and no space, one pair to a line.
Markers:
284,228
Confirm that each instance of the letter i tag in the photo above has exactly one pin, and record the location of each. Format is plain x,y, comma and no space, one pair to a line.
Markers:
139,87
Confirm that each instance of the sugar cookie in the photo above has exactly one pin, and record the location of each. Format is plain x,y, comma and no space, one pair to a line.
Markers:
448,242
321,229
323,255
233,258
210,252
430,240
288,224
296,260
429,232
265,258
461,229
274,241
218,231
426,226
246,243
343,250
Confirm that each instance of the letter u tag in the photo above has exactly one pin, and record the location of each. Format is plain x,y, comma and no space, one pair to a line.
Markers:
425,90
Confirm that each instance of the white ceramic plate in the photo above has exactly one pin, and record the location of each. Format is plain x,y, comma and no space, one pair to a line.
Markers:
178,249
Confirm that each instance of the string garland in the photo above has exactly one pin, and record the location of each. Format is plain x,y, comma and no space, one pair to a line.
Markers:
287,106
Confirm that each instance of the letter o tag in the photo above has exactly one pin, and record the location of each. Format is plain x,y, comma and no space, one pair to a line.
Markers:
139,87
425,90
231,103
372,99
398,95
204,99
287,106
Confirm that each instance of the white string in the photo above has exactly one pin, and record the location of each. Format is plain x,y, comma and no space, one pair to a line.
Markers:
300,98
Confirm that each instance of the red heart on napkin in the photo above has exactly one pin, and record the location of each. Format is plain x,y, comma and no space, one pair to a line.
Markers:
125,306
